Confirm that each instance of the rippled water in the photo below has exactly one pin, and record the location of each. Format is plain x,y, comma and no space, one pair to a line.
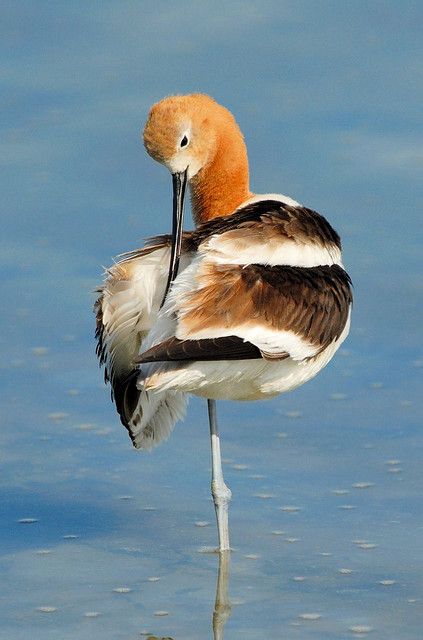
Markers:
100,541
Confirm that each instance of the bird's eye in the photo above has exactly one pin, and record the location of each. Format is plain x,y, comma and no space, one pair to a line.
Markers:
184,141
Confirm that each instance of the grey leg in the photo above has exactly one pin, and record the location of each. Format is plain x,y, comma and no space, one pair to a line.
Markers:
220,492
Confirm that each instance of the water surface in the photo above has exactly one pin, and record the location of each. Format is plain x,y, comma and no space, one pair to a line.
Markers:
100,541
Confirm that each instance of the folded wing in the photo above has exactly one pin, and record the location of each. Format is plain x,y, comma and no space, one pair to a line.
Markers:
269,276
126,309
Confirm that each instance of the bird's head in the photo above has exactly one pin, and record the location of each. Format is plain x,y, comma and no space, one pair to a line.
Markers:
199,141
182,132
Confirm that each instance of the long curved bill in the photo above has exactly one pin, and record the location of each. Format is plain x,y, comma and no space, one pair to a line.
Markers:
179,181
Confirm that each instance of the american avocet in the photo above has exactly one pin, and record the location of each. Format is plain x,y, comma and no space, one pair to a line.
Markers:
258,300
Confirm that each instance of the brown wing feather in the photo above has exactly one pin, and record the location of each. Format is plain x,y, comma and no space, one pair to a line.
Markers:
226,348
311,302
269,216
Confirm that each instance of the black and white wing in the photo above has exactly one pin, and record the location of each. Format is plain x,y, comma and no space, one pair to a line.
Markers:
126,309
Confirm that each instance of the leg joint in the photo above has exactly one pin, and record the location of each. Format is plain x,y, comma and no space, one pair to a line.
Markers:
221,493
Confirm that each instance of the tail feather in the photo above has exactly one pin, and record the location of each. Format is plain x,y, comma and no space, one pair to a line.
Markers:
149,416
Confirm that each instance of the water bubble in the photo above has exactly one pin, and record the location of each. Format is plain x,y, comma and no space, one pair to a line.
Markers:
363,485
360,628
27,520
310,616
338,396
207,550
39,351
57,416
367,545
86,426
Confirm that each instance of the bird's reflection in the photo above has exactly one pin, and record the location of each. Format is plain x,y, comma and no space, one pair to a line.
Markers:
222,606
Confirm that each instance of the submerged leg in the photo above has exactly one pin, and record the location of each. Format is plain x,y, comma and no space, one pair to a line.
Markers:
220,492
222,606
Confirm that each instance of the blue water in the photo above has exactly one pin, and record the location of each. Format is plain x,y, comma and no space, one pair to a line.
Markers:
327,517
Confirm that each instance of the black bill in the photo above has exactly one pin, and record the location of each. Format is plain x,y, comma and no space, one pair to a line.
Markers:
179,181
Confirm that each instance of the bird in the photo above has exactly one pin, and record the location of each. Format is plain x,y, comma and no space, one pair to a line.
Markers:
251,303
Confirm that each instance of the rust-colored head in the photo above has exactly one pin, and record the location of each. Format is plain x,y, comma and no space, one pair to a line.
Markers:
195,133
180,132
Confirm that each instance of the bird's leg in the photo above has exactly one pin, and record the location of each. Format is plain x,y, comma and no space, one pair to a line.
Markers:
220,492
222,606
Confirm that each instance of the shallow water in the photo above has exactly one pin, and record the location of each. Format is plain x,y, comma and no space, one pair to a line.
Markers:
101,541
